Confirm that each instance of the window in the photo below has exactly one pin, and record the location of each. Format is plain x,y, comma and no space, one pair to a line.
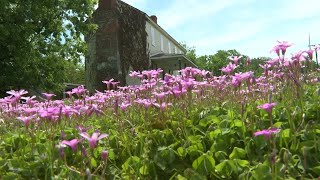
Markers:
180,52
169,47
161,41
153,41
175,50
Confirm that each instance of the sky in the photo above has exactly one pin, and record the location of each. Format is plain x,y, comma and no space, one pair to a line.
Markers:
252,27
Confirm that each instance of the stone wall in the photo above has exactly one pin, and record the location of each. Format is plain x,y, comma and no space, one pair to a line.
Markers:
120,42
103,59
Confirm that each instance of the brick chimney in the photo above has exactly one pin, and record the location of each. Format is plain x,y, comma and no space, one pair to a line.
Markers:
154,18
107,4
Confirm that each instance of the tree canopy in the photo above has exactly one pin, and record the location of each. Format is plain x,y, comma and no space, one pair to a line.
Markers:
221,58
37,37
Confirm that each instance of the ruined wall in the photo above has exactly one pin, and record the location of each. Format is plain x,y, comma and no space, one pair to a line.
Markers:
132,39
103,59
119,43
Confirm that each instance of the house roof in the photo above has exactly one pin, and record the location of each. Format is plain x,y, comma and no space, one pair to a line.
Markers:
162,56
159,28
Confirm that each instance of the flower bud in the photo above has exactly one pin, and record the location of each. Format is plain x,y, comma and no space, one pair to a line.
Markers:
104,155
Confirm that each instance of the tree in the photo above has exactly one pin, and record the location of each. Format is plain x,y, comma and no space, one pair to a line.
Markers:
37,37
191,52
75,73
254,66
217,61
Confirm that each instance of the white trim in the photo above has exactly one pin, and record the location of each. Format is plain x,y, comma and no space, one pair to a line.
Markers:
169,47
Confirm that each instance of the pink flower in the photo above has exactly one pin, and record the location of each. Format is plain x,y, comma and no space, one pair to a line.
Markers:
69,93
26,120
93,108
48,96
235,59
134,73
29,100
72,144
273,61
160,95
17,93
267,106
93,140
79,90
310,53
124,106
298,56
83,129
49,113
267,132
163,106
282,45
229,68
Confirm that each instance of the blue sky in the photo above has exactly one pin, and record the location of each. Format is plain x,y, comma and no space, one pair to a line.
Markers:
250,26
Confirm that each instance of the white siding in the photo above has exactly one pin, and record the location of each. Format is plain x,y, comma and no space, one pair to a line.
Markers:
169,47
161,42
158,42
153,40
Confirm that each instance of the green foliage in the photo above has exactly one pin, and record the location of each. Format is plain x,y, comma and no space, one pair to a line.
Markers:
221,58
36,39
75,73
191,52
214,63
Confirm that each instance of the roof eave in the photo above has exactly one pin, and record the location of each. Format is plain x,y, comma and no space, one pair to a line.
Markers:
175,56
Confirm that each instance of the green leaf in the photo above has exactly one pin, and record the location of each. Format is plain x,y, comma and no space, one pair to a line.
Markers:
285,133
181,152
179,177
203,122
204,164
10,176
167,155
278,124
242,163
195,139
221,166
193,175
144,170
111,154
262,172
93,162
316,170
195,149
220,155
237,153
226,167
214,134
237,123
131,163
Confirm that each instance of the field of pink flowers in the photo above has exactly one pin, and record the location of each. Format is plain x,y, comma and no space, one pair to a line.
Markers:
239,125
